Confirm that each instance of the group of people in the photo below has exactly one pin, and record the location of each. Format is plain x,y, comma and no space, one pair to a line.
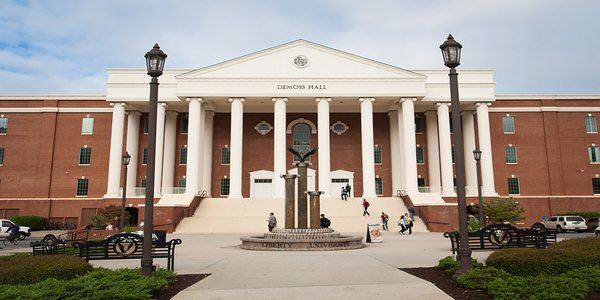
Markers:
272,222
345,193
406,221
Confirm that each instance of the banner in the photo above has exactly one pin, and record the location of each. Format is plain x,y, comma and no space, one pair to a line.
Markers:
374,231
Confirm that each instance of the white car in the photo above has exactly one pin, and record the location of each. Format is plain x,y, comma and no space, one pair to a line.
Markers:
564,223
23,232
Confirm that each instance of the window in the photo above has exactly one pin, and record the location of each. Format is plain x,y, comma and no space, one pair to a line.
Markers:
378,186
513,186
377,154
181,183
85,155
225,155
510,154
339,180
145,124
263,180
421,185
420,155
1,156
590,124
508,124
263,127
3,125
453,154
145,156
418,125
596,185
301,139
183,156
143,182
594,154
339,127
183,124
224,186
82,187
87,126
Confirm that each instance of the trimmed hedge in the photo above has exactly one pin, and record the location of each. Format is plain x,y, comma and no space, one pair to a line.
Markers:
537,287
23,270
33,222
99,284
562,257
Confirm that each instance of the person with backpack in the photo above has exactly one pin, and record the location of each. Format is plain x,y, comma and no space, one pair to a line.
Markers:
344,195
325,223
13,231
366,205
272,222
409,223
348,189
384,221
402,224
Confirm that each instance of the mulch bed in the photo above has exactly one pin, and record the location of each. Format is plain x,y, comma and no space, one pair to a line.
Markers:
183,282
444,282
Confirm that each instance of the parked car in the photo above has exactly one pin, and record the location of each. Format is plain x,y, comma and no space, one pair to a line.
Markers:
592,224
564,223
23,232
597,231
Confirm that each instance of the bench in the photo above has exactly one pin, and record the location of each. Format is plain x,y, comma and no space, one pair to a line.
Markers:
128,246
498,236
49,245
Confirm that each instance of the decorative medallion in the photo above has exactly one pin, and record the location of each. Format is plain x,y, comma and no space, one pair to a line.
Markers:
263,127
339,127
300,61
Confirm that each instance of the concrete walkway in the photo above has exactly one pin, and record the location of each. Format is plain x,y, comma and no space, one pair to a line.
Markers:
369,273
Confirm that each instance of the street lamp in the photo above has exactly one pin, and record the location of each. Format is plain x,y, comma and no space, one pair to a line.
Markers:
155,62
451,53
126,158
477,156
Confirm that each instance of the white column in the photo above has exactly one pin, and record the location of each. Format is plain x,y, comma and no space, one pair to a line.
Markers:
200,154
485,145
116,151
168,175
132,147
208,144
394,145
160,143
468,125
236,144
279,147
368,156
324,155
433,152
401,160
410,144
445,150
193,145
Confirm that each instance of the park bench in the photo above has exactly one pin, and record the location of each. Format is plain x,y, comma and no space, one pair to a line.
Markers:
128,246
49,245
497,236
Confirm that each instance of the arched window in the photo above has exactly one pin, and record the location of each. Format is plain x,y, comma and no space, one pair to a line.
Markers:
301,138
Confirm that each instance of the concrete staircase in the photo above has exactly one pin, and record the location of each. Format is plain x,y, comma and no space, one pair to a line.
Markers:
222,215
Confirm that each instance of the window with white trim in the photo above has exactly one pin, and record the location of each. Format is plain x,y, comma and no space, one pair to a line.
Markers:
508,124
145,123
513,186
225,155
183,124
590,124
224,188
594,154
301,139
1,156
510,154
596,185
183,156
143,182
379,186
421,185
82,187
418,125
420,155
3,125
181,182
85,155
145,156
377,154
87,126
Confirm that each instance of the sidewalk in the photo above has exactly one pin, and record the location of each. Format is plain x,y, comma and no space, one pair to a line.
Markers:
369,273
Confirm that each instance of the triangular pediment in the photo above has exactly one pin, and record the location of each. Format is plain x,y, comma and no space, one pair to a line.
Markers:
300,59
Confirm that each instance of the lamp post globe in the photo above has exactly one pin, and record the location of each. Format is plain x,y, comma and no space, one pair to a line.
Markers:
155,62
451,50
126,159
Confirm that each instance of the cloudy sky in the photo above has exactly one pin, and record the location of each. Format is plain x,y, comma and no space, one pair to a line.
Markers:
65,47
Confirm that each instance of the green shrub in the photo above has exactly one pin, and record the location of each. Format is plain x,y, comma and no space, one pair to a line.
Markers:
590,275
538,287
20,270
478,278
33,222
99,284
448,264
562,257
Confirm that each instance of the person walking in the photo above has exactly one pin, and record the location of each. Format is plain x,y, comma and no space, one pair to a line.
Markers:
344,195
384,221
348,189
409,223
411,213
272,222
366,205
402,224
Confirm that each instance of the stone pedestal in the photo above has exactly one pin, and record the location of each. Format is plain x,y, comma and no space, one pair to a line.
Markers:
290,205
315,210
302,203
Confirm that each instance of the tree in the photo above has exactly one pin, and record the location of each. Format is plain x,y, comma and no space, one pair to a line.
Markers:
503,210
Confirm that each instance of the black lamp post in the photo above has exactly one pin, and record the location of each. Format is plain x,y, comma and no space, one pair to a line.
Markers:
451,53
477,156
126,158
155,62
